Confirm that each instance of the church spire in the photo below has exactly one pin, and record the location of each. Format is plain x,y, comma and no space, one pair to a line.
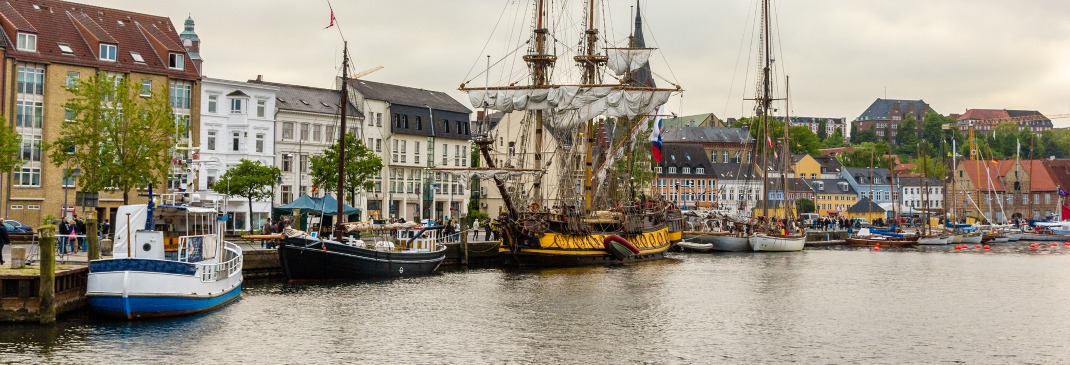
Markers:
640,76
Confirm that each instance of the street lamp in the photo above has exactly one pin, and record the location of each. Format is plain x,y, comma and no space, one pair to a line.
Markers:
73,175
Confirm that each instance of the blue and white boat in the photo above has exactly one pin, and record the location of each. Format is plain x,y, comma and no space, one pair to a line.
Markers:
143,280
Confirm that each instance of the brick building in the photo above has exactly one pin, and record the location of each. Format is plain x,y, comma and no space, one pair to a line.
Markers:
47,45
885,116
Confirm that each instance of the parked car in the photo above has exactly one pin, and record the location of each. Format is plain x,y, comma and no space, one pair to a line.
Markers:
19,225
862,223
810,219
11,228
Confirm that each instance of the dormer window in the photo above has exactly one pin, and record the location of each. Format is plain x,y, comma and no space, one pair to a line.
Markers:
108,52
27,42
176,61
137,57
66,49
237,106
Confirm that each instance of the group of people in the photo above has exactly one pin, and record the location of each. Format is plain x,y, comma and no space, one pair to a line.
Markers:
278,226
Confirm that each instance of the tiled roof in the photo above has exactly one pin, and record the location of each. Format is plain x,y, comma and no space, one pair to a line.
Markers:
306,99
706,135
685,156
917,181
795,185
81,27
688,121
1040,177
735,171
862,174
981,114
404,95
881,108
1059,171
832,186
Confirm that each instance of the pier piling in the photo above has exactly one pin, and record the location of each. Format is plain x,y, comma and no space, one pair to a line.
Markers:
47,310
92,240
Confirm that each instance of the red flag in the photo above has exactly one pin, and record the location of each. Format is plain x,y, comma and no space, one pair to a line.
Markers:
1065,212
332,16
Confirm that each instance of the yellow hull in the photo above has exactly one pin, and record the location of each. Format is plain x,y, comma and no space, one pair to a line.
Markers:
676,236
556,249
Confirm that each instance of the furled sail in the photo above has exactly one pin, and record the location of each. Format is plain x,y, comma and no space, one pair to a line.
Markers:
623,60
568,106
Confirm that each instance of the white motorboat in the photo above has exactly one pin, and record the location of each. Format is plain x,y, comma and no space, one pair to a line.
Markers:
934,240
695,246
141,280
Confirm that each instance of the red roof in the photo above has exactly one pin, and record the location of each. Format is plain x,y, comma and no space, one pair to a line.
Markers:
1059,171
83,27
982,114
1040,177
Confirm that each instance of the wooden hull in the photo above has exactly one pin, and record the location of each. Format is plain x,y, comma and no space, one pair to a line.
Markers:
971,239
311,259
768,243
562,250
1044,237
720,241
882,242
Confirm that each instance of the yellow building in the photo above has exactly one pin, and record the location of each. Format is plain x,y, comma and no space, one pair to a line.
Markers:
833,196
806,167
866,209
51,44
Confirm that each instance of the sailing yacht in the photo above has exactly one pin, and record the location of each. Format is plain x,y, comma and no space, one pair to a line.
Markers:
567,200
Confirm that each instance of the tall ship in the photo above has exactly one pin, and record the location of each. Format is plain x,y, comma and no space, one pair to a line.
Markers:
573,184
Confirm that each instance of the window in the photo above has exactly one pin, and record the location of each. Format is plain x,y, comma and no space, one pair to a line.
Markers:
394,152
672,170
317,132
378,145
700,171
445,155
287,130
260,142
237,106
69,115
211,140
378,119
181,94
27,42
724,156
107,52
371,119
28,114
457,155
213,101
405,121
659,171
397,120
31,80
286,194
304,131
446,123
28,176
72,79
146,88
261,108
31,149
419,123
235,141
176,60
137,57
68,178
404,154
303,164
416,152
330,134
287,163
686,170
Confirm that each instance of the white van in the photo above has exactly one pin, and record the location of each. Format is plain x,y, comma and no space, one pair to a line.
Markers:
809,218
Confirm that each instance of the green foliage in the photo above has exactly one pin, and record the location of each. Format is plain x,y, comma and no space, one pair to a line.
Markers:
864,136
10,144
906,139
804,141
867,154
1054,143
822,131
117,138
248,179
931,167
803,205
361,166
836,140
476,214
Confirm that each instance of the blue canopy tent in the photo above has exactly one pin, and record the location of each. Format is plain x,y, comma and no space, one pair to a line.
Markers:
326,206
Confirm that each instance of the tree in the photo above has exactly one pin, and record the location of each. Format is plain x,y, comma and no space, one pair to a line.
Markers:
10,147
115,137
248,179
361,166
933,167
932,130
804,141
867,154
906,139
803,205
865,136
822,132
836,140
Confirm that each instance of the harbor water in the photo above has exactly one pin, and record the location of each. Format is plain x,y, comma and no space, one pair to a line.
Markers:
836,305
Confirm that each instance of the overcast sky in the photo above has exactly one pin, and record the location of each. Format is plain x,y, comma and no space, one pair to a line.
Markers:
841,54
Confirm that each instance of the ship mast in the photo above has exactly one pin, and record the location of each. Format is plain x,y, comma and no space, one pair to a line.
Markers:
540,63
344,107
765,101
590,60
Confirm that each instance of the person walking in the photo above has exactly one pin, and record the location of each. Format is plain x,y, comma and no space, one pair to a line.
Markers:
61,239
104,229
4,241
79,228
486,230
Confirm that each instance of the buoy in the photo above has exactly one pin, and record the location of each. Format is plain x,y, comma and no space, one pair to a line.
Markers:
987,247
1067,244
978,245
877,248
958,248
878,244
1053,244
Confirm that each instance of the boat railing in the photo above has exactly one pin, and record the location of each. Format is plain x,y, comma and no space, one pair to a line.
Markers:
225,269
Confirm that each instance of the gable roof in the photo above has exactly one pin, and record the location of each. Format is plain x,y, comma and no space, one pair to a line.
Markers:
831,186
1040,176
861,175
706,135
410,96
685,156
988,114
82,27
697,120
307,99
795,185
881,109
1059,172
865,205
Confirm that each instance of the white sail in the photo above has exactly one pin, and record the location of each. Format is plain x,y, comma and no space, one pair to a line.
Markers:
623,60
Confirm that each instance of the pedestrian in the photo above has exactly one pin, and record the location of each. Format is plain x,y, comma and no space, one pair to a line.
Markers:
104,229
266,230
61,239
79,226
486,230
4,241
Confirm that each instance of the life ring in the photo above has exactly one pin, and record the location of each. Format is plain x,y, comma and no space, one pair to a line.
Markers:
534,206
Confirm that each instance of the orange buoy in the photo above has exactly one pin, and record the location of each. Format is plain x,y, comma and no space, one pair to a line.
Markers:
987,247
1067,244
958,248
978,245
1053,244
877,248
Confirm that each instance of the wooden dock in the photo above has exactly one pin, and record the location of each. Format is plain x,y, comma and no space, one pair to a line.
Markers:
20,299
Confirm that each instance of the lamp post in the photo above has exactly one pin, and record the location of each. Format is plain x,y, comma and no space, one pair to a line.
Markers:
73,175
678,194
